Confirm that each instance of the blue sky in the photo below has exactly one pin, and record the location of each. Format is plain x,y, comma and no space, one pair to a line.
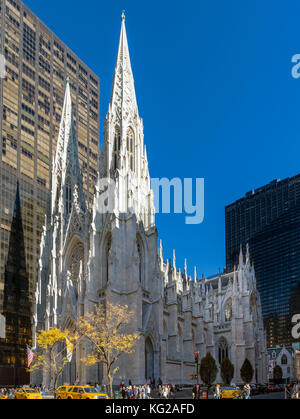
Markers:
214,87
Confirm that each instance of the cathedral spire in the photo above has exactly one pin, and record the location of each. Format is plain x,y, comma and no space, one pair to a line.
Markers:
66,167
124,159
123,98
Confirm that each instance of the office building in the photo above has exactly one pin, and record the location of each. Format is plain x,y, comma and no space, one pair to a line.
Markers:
268,219
31,101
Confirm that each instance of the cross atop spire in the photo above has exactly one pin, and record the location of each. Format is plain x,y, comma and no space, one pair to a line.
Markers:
123,15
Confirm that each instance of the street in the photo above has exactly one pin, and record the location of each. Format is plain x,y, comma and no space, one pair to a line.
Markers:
271,396
186,395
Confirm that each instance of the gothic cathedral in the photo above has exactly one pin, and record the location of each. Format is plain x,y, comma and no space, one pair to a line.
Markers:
87,258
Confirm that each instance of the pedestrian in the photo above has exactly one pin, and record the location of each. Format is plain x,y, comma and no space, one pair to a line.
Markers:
218,392
296,391
247,390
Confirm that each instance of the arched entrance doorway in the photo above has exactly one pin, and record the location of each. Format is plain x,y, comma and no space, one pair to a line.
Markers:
149,359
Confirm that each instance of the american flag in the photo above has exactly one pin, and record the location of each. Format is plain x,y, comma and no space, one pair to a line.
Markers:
30,357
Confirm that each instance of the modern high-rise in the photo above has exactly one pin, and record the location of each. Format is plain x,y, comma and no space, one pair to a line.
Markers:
17,307
31,99
268,219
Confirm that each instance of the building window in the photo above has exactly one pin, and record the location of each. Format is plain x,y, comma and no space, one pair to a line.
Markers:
141,259
107,254
68,196
130,150
284,360
223,351
117,148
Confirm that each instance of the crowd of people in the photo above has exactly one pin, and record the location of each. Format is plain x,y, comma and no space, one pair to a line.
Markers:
147,391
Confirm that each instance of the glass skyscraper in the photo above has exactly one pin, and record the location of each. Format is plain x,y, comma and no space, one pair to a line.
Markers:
269,220
31,100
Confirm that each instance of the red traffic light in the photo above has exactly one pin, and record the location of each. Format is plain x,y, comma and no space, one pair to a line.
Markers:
196,358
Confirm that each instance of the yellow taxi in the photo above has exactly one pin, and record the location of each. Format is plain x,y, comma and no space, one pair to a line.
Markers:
84,393
2,397
28,393
62,392
231,393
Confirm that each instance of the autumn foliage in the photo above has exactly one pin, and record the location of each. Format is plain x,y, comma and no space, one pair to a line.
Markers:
52,355
105,330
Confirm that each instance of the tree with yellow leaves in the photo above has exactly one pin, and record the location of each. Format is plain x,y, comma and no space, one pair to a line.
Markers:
105,330
55,350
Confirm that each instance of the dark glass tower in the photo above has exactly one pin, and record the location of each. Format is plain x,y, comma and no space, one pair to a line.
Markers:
16,307
269,220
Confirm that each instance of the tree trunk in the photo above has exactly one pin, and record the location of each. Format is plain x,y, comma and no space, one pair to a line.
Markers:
110,385
55,384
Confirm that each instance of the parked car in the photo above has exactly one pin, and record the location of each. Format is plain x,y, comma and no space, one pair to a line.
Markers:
271,388
231,393
27,394
62,392
262,388
85,392
254,389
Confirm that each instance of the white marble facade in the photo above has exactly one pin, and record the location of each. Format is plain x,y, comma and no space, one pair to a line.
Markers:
87,258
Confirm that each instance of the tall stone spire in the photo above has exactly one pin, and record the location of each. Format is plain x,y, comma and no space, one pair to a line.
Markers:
123,98
66,167
124,158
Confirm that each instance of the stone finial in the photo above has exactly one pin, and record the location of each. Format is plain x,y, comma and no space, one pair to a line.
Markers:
185,267
241,258
248,255
161,251
174,259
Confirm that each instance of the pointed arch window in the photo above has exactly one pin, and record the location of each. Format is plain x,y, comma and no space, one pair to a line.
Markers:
68,196
223,350
131,149
107,254
140,252
179,341
116,149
